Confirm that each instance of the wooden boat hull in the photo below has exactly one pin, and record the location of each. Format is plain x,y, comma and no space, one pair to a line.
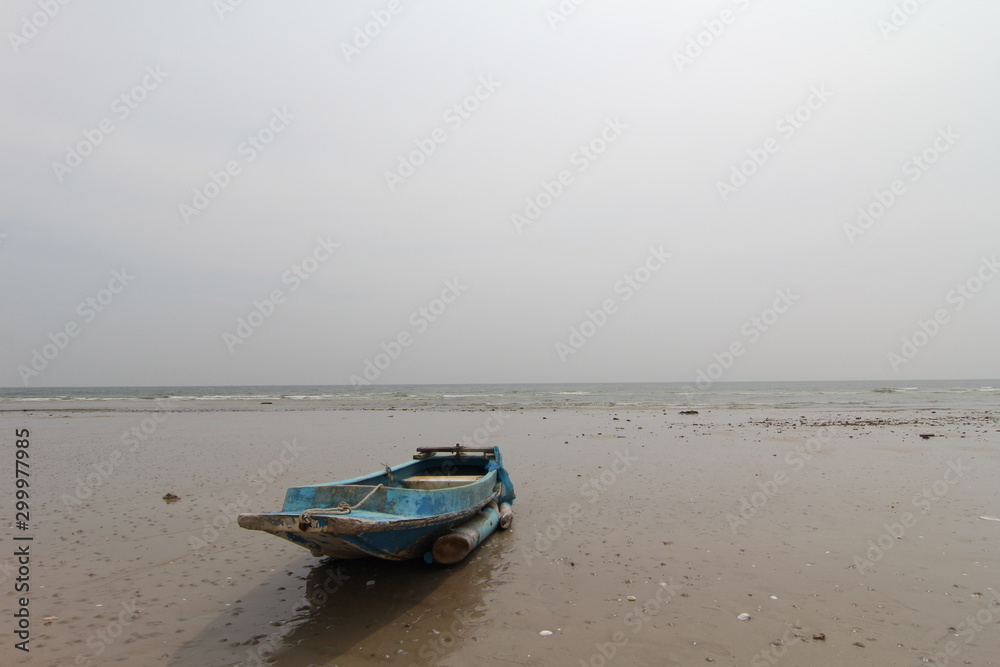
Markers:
395,515
341,537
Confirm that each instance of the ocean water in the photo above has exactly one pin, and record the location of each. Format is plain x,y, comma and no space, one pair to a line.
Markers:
926,394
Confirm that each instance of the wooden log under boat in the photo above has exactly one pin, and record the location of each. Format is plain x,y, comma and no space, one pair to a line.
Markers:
506,515
459,543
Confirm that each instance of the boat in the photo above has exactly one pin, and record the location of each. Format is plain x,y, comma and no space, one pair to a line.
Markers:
442,503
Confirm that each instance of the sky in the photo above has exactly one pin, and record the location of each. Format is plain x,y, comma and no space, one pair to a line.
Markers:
396,192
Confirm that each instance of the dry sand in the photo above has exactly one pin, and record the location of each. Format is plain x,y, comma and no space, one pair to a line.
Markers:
632,543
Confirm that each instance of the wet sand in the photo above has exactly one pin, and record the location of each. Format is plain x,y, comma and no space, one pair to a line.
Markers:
639,538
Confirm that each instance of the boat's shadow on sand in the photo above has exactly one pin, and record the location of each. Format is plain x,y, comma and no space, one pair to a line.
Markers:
348,611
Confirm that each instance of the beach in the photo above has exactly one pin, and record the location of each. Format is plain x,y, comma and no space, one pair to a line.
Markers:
640,537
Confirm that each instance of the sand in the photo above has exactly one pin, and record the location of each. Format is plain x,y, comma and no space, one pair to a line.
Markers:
639,538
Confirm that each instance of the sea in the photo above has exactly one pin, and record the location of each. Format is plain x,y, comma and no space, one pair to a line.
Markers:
880,395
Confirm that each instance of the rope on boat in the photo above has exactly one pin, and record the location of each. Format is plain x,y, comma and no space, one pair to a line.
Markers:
342,508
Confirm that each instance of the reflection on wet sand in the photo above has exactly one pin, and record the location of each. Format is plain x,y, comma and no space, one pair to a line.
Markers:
343,612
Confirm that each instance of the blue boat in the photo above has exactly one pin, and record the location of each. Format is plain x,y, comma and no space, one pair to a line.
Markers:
401,512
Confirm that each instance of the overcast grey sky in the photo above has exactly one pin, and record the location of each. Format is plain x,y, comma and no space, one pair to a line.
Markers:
442,191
